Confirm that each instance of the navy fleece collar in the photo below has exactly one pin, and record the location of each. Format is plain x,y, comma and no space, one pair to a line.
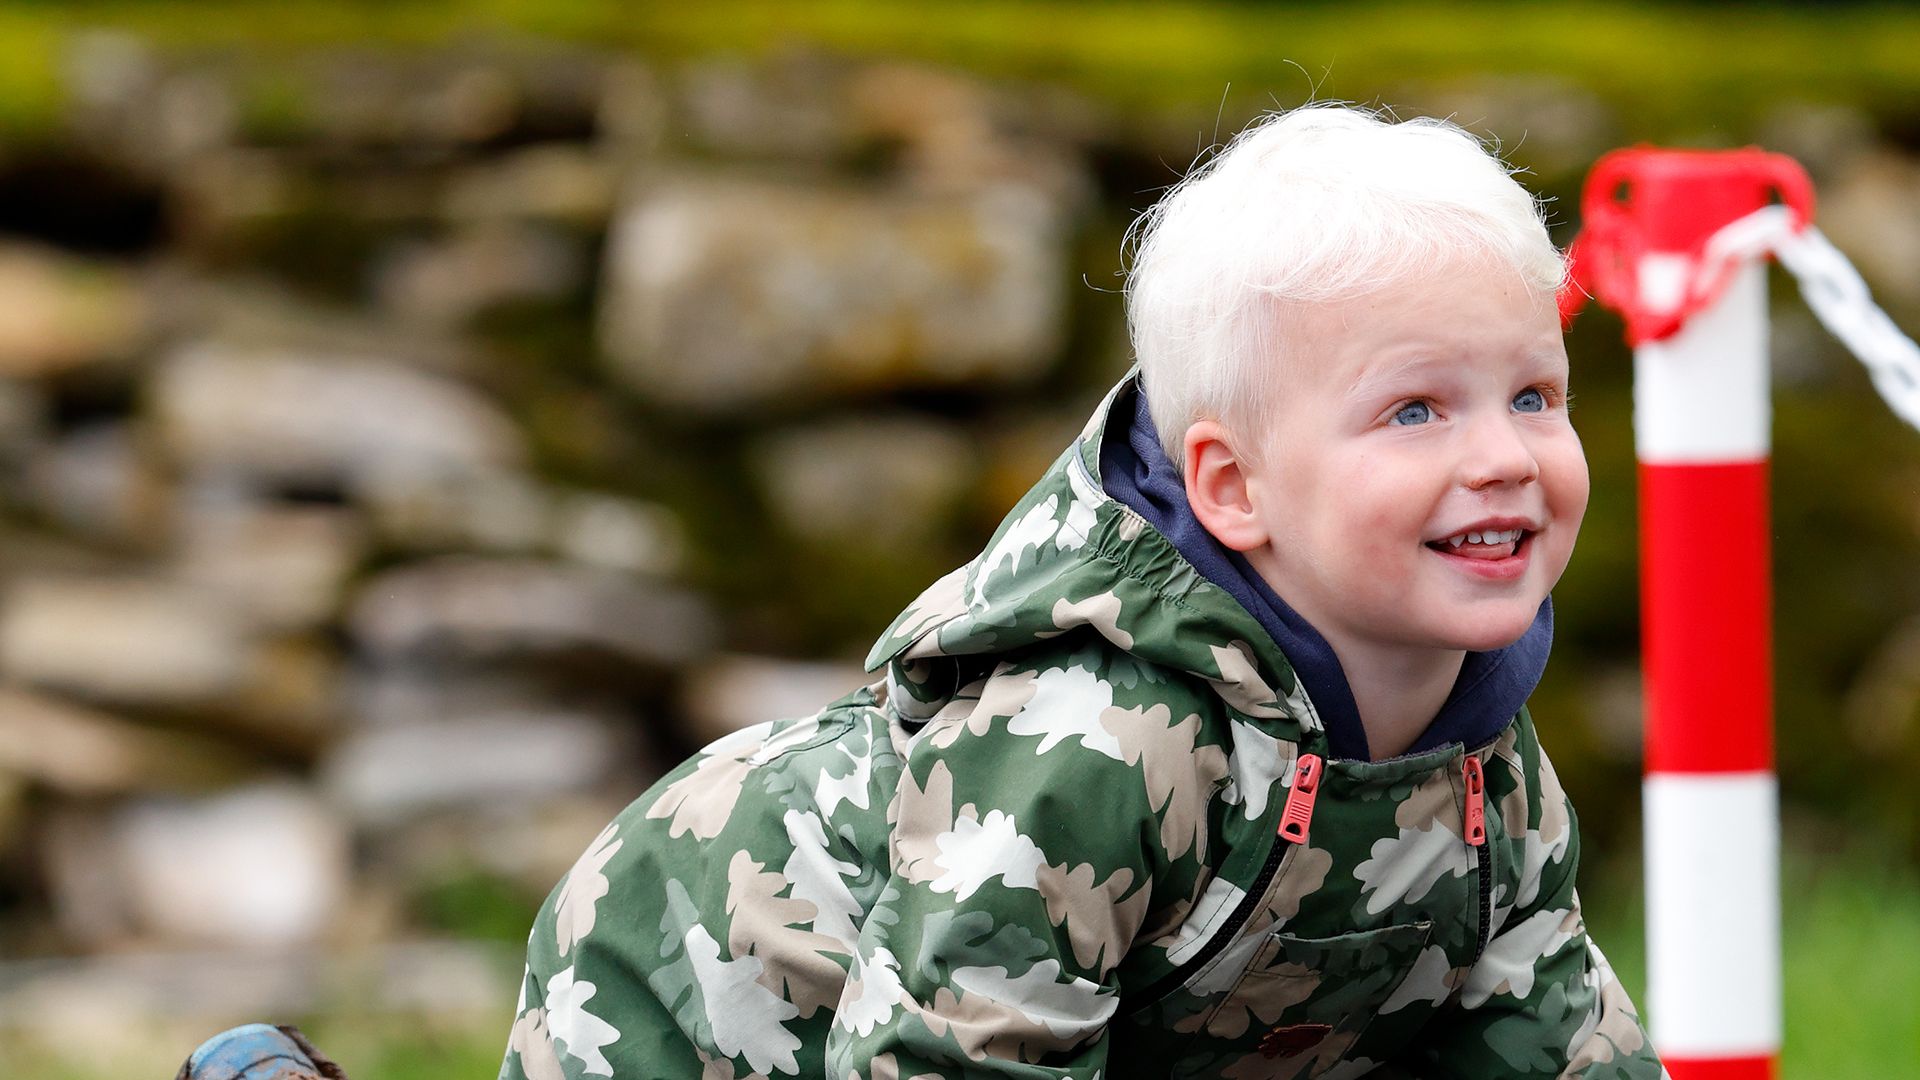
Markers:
1491,688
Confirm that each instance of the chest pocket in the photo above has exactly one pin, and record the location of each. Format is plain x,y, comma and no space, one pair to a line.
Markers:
1303,1004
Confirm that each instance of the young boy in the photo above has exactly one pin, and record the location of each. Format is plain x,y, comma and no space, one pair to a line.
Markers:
1216,762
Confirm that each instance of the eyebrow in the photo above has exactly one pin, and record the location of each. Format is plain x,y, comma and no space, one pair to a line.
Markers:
1367,381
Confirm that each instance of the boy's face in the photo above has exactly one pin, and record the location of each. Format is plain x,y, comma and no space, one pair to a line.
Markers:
1429,409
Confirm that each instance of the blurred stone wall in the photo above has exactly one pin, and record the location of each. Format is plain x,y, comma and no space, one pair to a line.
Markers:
403,469
408,455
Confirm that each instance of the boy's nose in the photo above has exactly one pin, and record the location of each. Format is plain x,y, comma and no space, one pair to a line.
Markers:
1498,454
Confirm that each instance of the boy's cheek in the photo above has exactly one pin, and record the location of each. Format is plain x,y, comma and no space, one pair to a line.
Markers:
1581,488
1569,483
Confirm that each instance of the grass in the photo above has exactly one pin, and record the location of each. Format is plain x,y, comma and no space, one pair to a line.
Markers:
366,1047
1850,958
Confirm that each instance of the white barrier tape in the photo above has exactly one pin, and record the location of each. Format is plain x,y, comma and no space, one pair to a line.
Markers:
1834,290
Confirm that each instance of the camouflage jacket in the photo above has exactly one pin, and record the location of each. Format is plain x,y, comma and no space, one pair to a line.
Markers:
1084,824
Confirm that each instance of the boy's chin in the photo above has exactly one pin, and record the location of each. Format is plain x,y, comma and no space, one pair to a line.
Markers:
1490,630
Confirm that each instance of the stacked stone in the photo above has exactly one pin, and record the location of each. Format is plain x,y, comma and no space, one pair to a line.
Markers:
324,591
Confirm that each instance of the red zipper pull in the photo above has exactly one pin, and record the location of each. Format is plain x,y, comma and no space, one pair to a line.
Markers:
1299,812
1476,808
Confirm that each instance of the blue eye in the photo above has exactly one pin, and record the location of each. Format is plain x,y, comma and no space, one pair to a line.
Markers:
1413,412
1530,401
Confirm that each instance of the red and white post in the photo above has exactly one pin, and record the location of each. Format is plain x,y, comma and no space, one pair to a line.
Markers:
1702,416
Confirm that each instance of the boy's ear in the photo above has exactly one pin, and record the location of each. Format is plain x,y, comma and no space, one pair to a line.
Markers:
1218,488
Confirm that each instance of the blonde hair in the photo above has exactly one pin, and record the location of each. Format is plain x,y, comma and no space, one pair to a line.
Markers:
1314,205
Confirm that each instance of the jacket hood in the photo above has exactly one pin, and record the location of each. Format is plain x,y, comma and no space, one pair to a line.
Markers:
1070,556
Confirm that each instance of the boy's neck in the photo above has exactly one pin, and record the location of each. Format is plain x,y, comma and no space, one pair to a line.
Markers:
1397,691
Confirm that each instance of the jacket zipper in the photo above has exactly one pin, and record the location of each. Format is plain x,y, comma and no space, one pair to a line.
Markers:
1294,822
1474,831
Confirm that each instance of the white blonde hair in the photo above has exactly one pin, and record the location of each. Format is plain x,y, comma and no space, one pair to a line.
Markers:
1314,205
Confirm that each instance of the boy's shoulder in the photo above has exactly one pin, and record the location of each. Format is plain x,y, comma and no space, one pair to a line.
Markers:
1076,703
1075,589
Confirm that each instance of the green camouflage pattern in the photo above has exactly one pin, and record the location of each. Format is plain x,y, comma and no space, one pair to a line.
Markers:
1039,846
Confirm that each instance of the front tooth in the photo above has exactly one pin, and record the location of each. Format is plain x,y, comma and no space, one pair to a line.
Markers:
1473,538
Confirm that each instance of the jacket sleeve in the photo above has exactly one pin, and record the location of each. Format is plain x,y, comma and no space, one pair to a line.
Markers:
1542,999
1022,862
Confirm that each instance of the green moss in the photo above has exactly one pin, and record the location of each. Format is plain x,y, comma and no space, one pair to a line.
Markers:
274,107
1679,70
472,904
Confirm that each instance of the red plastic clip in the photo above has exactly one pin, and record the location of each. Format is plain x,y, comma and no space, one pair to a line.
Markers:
1299,812
1475,829
1647,200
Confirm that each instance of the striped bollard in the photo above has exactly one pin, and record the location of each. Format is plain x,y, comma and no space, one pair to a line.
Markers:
1701,431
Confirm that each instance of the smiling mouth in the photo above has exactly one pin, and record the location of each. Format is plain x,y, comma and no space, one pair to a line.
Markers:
1490,545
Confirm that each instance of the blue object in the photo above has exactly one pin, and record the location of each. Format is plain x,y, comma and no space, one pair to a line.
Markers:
257,1052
